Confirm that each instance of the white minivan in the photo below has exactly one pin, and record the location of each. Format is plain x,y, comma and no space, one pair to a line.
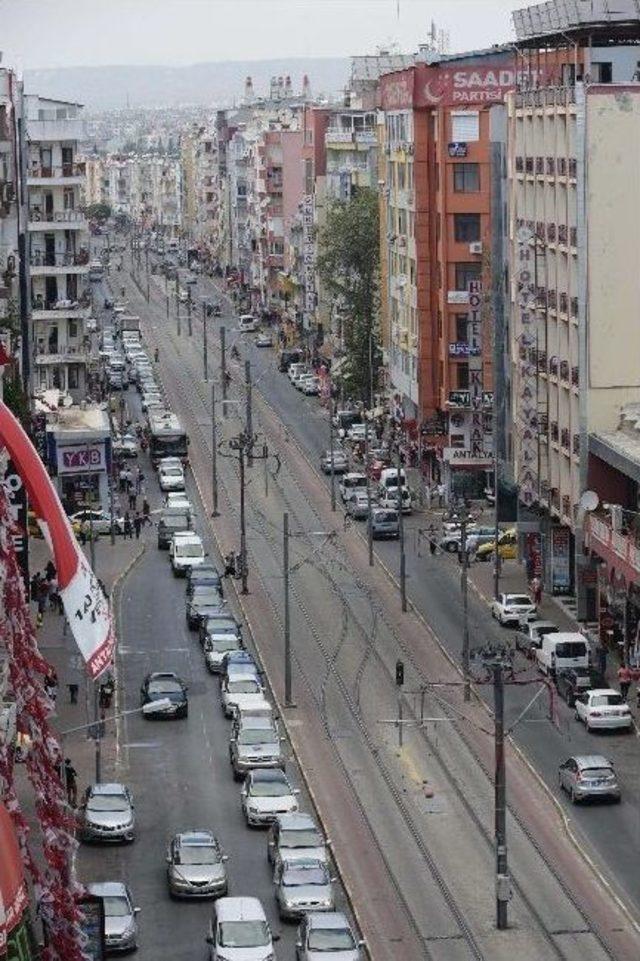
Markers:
247,323
185,550
239,931
561,651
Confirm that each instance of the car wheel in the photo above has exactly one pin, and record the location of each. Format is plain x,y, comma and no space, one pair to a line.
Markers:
576,715
587,725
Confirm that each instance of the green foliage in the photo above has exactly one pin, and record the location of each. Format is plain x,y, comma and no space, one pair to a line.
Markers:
15,398
99,212
348,263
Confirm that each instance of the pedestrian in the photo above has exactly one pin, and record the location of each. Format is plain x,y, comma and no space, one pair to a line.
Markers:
43,596
156,355
50,570
133,500
431,534
624,680
71,782
230,565
50,685
139,481
128,529
146,512
107,690
35,586
440,493
536,590
137,524
122,479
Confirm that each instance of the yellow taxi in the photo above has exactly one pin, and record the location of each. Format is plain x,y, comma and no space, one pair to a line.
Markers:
507,547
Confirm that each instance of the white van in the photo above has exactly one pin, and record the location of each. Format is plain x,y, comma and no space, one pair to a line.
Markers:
561,651
247,323
389,477
185,550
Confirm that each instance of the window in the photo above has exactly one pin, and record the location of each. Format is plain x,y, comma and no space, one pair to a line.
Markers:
465,126
74,378
462,328
466,178
72,329
463,376
465,274
466,228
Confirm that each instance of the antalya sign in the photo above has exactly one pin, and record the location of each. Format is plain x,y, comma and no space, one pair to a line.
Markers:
433,87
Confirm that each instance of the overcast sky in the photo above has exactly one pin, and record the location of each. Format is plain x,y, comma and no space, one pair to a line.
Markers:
56,33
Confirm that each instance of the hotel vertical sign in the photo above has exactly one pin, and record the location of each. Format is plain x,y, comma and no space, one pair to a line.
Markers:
308,258
480,437
527,470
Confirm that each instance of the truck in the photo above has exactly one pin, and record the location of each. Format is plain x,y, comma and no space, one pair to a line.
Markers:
129,322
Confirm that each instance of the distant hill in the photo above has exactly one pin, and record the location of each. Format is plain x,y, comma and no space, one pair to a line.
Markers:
103,88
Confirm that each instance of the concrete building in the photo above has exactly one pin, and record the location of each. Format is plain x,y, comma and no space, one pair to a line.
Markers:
574,203
78,454
58,246
11,217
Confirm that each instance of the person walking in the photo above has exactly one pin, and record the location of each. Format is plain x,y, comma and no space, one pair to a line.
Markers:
624,680
536,590
128,529
230,565
440,493
431,534
146,512
139,481
71,782
43,597
137,524
50,570
133,499
50,685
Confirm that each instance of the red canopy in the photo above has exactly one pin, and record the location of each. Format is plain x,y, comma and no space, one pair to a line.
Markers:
13,890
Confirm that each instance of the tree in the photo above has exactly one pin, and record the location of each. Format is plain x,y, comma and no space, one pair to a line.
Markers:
348,263
99,212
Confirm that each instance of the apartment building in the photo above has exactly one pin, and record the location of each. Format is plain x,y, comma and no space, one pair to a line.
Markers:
10,112
574,202
58,247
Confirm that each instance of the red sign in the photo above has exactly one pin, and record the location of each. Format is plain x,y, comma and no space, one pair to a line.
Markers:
432,86
396,89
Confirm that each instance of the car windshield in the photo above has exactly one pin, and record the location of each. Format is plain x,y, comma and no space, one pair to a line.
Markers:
189,550
270,788
257,736
331,939
198,854
243,687
517,599
571,649
210,596
607,700
386,516
309,838
243,934
224,644
108,802
164,686
297,875
116,906
172,471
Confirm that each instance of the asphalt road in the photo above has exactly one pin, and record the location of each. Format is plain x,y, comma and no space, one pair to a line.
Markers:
178,770
611,833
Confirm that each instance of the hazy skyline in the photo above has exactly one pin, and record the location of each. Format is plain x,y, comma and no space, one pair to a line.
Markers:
61,33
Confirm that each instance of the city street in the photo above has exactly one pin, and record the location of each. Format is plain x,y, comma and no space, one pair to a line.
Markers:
347,670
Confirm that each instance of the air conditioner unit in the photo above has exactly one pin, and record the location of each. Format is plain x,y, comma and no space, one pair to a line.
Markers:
475,247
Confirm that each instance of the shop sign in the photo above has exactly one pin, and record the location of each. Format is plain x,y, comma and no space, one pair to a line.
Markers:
459,398
457,297
462,456
527,460
560,560
469,85
308,259
460,349
458,149
17,497
81,459
474,339
533,553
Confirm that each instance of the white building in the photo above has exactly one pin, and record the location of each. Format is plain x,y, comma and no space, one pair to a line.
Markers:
58,246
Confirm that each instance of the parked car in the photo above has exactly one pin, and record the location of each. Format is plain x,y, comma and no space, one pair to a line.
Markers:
589,777
562,650
107,813
287,357
264,339
384,523
218,625
357,433
200,602
603,709
239,931
126,446
507,547
302,885
358,505
529,638
172,520
296,835
204,575
572,681
254,742
163,685
324,935
216,648
510,608
247,323
238,692
171,477
391,496
120,925
267,792
310,386
196,866
340,462
99,519
352,481
178,499
185,550
451,539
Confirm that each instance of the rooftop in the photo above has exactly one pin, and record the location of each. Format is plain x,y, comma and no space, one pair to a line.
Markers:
620,448
68,419
562,22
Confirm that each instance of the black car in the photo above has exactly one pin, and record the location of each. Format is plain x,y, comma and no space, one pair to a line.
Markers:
204,576
165,684
288,357
201,603
172,519
218,624
573,681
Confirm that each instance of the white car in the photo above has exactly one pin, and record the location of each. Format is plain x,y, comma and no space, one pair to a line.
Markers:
185,550
266,793
239,931
241,693
603,708
513,608
389,499
171,477
357,432
127,445
177,499
351,482
311,386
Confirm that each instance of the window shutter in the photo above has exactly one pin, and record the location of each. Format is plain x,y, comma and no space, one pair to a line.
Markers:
465,126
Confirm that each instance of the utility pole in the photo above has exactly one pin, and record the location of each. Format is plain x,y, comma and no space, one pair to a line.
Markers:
288,702
214,454
223,368
464,574
496,521
178,305
189,312
243,525
249,414
367,473
331,464
204,341
146,255
500,787
166,292
403,556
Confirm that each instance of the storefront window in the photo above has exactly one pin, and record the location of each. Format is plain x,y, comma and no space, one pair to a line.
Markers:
80,489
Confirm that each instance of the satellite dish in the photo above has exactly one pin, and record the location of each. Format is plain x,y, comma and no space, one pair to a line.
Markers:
589,501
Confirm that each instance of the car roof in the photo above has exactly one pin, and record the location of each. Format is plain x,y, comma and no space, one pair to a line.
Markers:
591,760
568,636
193,838
534,624
239,909
602,690
108,788
327,919
296,821
105,889
158,675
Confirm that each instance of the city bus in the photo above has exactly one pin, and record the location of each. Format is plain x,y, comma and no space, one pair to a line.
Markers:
168,437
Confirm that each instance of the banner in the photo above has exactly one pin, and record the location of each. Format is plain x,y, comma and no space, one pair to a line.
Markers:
84,602
560,560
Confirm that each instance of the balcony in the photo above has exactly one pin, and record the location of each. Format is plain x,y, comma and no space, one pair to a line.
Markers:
59,263
66,129
565,438
42,309
61,354
619,550
66,174
575,376
40,220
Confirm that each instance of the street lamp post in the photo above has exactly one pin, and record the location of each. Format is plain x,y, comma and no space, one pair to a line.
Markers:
223,367
214,454
190,328
204,341
403,556
331,458
367,474
287,616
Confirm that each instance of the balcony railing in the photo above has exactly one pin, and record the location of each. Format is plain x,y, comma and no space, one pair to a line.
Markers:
616,548
63,170
41,303
41,259
36,215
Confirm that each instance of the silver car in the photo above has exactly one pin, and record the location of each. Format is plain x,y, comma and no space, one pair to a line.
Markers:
589,776
120,926
294,836
303,885
324,935
215,649
196,866
107,813
340,462
266,793
255,744
384,523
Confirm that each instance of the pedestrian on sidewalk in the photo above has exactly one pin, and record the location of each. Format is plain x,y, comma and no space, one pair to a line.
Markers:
440,493
230,565
133,499
51,685
128,529
137,524
71,782
35,586
50,570
536,590
624,680
146,512
43,596
431,534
